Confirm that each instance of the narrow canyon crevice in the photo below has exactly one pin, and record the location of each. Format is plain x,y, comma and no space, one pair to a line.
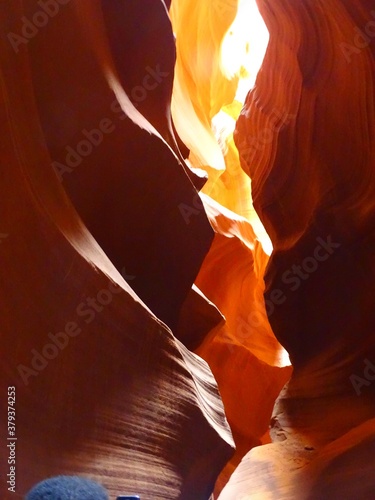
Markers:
176,231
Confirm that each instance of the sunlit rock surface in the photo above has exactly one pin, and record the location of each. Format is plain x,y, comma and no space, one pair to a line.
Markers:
249,364
137,227
103,388
216,60
112,260
306,139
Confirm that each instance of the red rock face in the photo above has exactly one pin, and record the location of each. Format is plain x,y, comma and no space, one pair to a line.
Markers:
313,187
103,388
246,359
89,111
115,268
313,183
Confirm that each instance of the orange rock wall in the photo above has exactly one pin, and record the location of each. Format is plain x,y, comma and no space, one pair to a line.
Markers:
112,260
103,387
313,188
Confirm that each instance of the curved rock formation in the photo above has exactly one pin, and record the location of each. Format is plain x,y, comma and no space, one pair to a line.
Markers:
247,361
102,387
85,128
305,138
116,268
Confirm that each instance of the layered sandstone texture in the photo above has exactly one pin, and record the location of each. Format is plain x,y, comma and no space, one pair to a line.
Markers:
313,186
218,57
167,238
97,258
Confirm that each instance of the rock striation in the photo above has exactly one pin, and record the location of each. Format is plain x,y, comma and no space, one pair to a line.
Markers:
90,208
313,188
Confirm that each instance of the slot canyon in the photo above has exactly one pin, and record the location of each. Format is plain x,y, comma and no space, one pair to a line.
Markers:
187,247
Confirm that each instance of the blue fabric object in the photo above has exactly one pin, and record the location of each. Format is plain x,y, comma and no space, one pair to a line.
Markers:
67,488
